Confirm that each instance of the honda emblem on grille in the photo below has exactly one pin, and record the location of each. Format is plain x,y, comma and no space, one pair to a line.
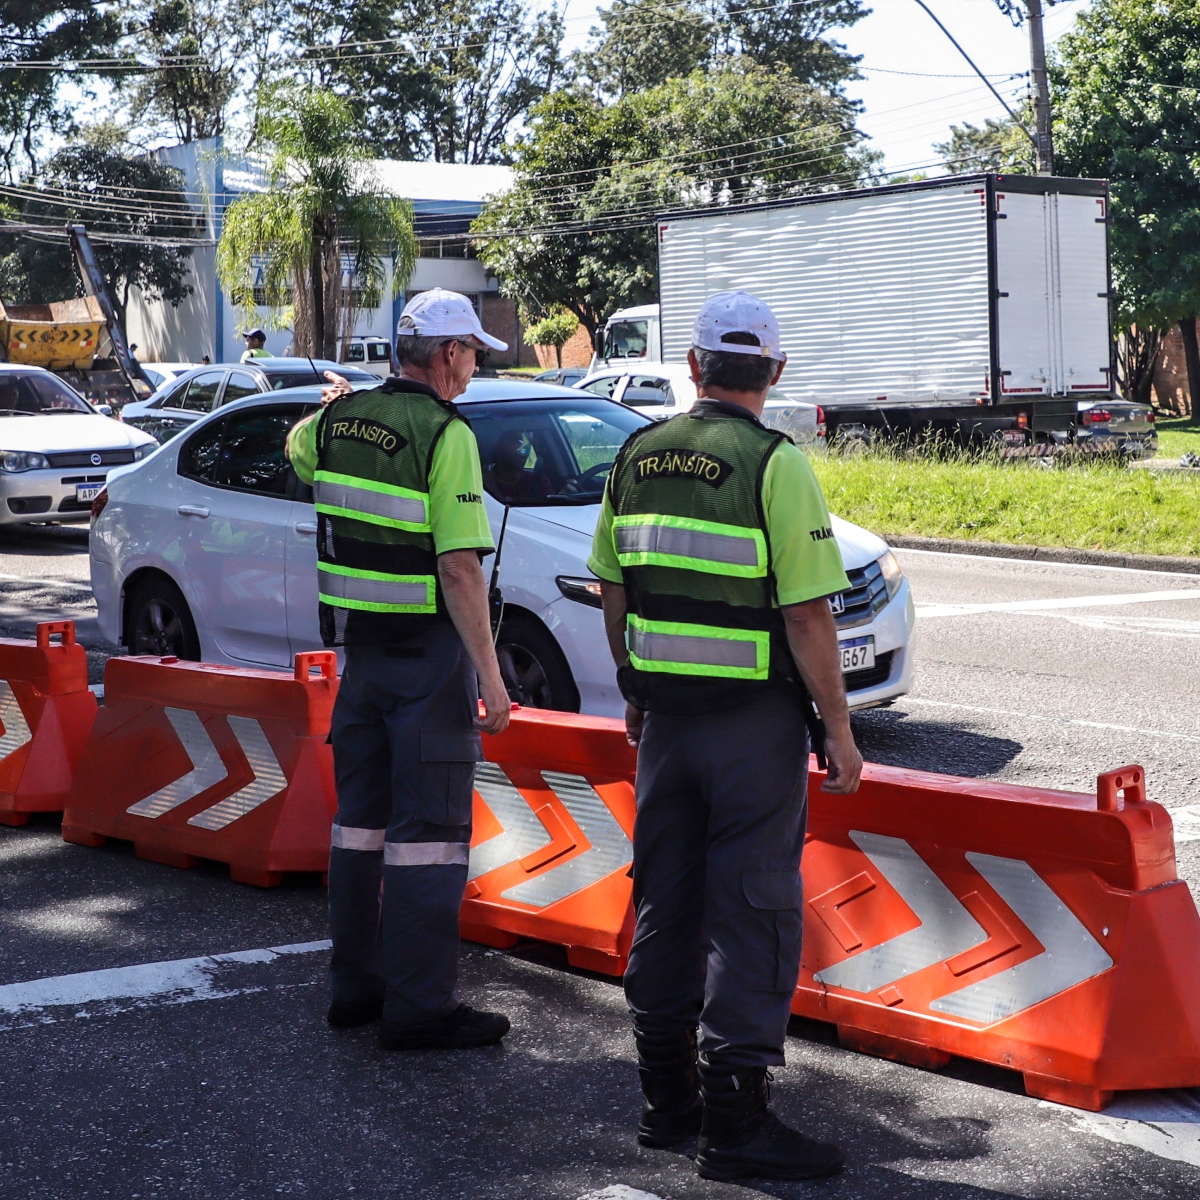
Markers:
96,460
837,604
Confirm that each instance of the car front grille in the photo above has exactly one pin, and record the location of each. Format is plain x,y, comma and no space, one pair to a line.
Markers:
83,458
866,597
857,681
71,504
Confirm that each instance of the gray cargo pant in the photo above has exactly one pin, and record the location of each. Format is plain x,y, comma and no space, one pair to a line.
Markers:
404,751
721,813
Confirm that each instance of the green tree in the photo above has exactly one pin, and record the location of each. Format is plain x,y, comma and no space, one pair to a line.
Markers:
643,43
136,212
577,230
555,330
448,80
1126,87
35,31
320,207
996,145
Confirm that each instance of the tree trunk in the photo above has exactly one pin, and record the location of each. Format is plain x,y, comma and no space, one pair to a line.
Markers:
1191,355
316,284
558,354
1137,352
333,295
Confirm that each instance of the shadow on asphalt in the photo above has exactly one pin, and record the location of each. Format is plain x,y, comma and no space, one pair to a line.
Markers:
892,737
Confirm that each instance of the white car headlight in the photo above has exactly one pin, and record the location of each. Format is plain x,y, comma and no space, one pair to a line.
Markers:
893,577
12,461
140,452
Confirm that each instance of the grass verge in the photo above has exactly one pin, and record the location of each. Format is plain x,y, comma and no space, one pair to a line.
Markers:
1096,506
1177,435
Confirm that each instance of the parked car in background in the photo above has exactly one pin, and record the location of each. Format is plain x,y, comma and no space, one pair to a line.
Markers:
373,354
563,376
1117,427
161,373
664,389
208,549
55,448
202,389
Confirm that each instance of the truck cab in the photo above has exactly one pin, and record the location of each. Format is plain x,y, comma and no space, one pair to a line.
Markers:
629,335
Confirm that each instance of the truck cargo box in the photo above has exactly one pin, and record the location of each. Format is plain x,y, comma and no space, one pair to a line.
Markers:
60,336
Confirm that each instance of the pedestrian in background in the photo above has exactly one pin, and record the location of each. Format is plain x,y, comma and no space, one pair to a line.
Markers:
402,529
716,560
256,345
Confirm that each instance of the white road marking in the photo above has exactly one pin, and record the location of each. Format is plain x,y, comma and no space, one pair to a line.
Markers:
118,989
1187,823
620,1191
1163,1123
1007,712
1051,604
82,586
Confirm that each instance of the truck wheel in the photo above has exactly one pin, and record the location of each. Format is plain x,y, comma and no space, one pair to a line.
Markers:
158,622
533,668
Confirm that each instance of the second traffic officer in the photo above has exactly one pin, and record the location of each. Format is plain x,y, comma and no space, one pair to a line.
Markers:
401,530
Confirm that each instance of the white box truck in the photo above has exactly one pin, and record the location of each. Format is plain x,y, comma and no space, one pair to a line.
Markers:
977,306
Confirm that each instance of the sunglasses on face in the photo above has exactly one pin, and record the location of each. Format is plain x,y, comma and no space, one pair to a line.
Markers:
481,355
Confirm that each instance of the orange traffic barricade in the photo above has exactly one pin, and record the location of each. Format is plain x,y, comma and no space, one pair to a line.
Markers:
47,712
552,845
1043,931
191,760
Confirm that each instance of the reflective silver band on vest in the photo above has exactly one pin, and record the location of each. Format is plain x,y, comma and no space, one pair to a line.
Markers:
335,586
348,837
344,496
698,651
687,543
426,854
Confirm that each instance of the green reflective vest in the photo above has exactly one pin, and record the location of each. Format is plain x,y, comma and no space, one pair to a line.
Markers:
376,562
690,536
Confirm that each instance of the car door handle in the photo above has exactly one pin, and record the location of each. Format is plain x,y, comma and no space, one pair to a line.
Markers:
306,527
192,510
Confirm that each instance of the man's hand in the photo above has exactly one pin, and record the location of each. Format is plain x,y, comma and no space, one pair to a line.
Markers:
338,386
496,706
634,720
845,763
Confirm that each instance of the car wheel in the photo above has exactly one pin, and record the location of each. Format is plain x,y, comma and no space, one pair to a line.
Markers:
158,622
533,668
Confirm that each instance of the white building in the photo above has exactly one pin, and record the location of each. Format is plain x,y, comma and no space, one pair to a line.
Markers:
445,197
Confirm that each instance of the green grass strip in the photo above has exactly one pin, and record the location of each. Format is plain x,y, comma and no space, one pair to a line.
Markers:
1095,506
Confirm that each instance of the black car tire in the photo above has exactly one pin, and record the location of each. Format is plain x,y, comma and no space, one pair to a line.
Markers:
533,667
158,621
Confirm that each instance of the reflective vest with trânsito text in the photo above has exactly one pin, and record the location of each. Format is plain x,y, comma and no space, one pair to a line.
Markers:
375,550
690,536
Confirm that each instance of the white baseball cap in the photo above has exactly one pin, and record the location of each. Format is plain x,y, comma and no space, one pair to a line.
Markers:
441,313
737,312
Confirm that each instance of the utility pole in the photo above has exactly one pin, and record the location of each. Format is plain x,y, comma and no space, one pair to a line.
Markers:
1041,88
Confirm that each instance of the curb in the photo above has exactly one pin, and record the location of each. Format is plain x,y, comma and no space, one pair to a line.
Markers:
1053,554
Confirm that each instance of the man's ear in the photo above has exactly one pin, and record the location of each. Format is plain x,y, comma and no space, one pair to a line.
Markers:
693,366
778,374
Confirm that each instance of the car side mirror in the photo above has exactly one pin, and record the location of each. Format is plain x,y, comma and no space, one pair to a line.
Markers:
643,397
598,342
105,410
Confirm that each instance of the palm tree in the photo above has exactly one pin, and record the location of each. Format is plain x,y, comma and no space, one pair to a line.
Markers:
322,202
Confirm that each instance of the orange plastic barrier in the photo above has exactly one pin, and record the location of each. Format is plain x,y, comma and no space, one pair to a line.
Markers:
1043,931
47,712
191,760
552,847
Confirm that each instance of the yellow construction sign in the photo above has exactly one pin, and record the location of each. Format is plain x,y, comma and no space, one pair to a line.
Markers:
60,336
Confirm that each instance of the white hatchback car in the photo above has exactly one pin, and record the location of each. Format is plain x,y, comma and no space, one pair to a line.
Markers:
661,390
208,550
55,448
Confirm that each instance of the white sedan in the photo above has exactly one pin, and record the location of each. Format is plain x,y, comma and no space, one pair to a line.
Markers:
208,550
55,448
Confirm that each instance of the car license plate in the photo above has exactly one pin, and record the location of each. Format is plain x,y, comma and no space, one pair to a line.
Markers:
858,654
85,493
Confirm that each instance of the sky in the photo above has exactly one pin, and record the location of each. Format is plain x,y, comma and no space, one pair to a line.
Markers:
915,84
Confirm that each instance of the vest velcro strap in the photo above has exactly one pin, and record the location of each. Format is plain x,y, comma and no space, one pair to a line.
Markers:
679,649
376,591
371,501
652,539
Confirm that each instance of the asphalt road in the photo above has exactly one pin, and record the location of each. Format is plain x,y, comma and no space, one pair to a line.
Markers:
159,1070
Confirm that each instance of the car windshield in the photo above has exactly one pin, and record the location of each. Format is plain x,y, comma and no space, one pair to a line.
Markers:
37,393
626,339
540,452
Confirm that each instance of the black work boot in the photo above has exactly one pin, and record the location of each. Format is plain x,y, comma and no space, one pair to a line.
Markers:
350,1014
741,1138
667,1067
464,1029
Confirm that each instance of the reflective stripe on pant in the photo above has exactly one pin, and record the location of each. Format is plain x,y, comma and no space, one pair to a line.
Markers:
721,808
404,752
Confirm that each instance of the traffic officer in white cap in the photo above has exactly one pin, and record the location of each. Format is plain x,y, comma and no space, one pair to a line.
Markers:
717,561
401,531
